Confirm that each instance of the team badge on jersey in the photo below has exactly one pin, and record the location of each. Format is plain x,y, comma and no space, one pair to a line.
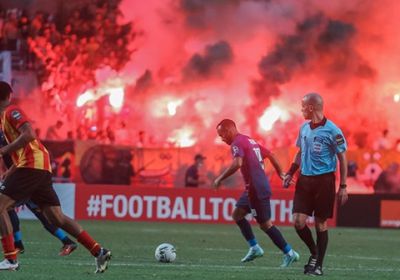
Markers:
235,150
339,139
16,115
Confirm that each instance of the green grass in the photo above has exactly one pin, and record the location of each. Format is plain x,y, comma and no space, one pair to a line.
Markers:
204,252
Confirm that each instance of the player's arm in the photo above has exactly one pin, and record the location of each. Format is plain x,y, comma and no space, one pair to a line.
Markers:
236,164
9,166
26,136
275,163
342,193
8,172
292,170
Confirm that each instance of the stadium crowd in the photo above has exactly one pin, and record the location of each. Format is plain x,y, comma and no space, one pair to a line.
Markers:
65,54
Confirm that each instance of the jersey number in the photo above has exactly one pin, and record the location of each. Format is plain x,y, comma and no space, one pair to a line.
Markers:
257,151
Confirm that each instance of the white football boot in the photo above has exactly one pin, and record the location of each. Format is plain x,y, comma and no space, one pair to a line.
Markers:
7,265
102,260
254,252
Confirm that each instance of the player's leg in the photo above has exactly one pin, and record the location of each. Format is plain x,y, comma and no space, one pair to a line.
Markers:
102,255
7,239
16,187
47,200
239,214
321,226
262,212
68,245
303,207
325,200
305,234
19,246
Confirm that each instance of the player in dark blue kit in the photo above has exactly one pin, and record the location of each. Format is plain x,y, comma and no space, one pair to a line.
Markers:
248,156
68,245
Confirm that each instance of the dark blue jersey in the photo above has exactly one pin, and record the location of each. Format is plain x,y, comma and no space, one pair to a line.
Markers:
193,173
252,169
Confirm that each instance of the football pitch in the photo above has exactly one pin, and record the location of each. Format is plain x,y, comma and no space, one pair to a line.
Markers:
204,252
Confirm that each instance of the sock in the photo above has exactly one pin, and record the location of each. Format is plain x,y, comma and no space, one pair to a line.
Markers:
288,250
8,247
280,242
322,244
18,240
67,240
60,234
17,236
252,242
19,246
14,220
86,240
247,232
306,235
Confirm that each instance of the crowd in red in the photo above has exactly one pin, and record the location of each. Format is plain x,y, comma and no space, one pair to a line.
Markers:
66,49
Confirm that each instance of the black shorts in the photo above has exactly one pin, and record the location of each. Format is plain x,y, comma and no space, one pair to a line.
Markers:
315,195
30,184
260,208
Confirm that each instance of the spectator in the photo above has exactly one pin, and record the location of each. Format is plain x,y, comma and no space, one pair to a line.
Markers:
383,142
389,180
122,134
70,135
37,24
92,133
65,57
397,145
192,178
141,143
110,134
81,132
352,168
2,22
11,32
53,132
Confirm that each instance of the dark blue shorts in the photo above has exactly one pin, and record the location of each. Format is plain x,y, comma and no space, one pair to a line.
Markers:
260,208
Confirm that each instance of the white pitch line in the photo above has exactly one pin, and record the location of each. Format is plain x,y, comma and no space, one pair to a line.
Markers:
199,232
329,255
244,251
364,258
222,267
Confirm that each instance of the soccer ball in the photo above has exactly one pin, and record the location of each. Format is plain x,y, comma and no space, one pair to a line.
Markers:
165,253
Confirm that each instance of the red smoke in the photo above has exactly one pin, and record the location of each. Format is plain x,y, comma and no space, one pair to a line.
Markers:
234,58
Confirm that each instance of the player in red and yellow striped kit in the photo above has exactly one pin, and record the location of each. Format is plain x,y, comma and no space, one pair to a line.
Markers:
31,179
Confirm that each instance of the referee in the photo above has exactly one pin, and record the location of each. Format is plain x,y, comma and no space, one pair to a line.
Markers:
320,143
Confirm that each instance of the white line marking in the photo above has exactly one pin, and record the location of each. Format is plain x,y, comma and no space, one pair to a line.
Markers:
220,267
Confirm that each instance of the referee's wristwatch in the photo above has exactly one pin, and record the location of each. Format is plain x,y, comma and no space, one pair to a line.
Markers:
343,186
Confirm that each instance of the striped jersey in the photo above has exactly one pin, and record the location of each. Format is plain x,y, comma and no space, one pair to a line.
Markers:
34,154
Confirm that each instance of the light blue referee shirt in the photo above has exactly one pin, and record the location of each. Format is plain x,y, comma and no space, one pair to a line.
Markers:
319,146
